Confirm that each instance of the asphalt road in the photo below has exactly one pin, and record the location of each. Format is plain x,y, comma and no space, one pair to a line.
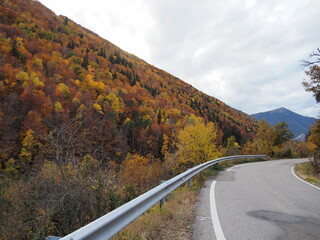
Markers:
258,201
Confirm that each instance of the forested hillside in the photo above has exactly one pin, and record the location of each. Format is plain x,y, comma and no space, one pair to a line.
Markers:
74,108
55,74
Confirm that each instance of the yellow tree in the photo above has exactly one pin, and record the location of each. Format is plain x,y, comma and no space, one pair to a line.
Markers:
58,107
98,108
165,144
29,148
232,147
115,102
266,136
197,143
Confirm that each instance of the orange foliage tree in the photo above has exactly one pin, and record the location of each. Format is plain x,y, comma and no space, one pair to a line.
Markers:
140,172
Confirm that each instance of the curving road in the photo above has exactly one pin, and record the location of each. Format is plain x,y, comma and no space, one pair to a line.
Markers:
258,201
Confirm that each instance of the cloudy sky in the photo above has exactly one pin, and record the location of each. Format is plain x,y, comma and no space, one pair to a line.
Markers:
247,53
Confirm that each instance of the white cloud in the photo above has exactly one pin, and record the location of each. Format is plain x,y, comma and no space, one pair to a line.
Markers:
247,54
122,22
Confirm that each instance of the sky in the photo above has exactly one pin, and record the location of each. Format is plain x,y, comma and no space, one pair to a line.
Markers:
246,53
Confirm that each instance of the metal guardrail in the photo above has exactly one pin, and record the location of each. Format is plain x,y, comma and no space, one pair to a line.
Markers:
110,224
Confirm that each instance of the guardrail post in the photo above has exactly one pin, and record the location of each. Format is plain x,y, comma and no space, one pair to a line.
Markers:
163,199
189,183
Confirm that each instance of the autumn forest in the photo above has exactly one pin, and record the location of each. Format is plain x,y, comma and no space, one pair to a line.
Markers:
84,123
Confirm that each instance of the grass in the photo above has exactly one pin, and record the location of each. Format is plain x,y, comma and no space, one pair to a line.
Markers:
304,171
172,221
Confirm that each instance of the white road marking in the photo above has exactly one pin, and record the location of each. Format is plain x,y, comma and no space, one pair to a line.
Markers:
229,169
214,214
214,211
294,174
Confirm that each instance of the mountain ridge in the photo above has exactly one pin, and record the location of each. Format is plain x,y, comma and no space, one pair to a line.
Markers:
297,123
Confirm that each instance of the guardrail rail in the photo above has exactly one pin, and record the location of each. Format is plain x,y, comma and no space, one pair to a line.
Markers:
110,224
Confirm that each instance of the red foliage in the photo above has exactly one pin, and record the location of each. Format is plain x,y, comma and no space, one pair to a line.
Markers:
147,102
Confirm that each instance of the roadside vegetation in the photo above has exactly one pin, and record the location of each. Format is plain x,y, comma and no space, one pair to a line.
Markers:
310,171
312,84
305,171
274,141
174,220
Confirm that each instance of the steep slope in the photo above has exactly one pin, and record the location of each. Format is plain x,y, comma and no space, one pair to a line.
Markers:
297,123
62,83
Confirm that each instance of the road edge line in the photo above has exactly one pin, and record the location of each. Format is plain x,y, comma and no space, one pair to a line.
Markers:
294,174
214,214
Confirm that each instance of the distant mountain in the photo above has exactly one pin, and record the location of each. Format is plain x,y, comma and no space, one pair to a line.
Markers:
298,124
300,138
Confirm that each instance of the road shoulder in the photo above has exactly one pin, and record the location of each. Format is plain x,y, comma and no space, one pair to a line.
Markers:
304,173
202,226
